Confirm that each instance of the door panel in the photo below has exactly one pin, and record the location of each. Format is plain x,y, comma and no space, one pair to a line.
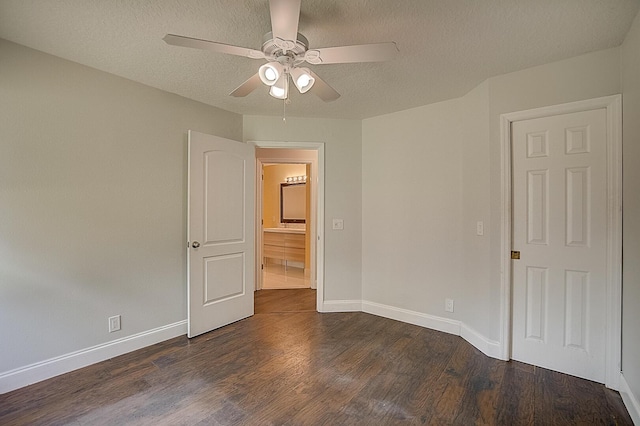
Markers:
223,186
221,232
560,229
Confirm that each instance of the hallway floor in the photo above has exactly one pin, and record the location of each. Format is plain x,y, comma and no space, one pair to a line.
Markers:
281,301
275,276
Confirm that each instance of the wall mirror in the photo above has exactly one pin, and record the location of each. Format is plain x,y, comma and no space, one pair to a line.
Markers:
293,199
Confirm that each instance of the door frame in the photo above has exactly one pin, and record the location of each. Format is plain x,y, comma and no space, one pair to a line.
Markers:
613,107
317,231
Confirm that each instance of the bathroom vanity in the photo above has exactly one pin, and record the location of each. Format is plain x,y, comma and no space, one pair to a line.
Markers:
285,244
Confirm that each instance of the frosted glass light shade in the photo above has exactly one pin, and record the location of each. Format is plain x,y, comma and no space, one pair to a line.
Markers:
270,73
280,89
303,79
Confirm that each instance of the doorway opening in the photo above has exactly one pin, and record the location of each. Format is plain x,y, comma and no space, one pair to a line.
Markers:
289,217
286,225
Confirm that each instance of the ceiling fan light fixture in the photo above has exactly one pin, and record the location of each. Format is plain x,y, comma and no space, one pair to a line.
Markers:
277,92
270,73
284,49
303,79
280,90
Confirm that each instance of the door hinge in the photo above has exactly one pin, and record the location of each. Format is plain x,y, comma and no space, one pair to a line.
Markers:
515,255
262,266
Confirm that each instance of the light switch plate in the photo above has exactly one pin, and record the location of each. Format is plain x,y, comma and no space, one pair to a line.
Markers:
338,224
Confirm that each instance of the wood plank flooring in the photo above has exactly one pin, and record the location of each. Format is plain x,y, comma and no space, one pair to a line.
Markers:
289,365
288,300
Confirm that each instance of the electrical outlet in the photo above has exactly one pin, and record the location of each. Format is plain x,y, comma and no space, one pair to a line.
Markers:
448,305
480,228
114,323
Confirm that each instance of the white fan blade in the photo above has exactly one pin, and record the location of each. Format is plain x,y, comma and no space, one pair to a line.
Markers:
285,15
176,40
247,87
346,54
322,90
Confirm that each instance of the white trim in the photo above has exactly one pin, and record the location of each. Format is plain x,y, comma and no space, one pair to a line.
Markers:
259,225
487,346
505,240
613,106
342,306
613,354
412,317
24,376
317,250
630,400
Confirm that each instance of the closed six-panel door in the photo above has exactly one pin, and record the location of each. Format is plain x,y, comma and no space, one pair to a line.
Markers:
560,229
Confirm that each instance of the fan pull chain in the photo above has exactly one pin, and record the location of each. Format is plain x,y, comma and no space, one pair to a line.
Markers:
284,110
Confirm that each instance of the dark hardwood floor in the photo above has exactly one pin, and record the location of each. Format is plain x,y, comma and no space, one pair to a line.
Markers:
289,300
288,365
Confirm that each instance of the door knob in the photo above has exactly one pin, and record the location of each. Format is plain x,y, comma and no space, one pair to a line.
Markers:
195,244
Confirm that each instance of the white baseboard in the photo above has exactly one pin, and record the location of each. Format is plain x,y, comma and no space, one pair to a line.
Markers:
488,347
630,400
24,376
412,317
341,306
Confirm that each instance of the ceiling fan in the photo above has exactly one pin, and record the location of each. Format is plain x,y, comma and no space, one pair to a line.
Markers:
286,51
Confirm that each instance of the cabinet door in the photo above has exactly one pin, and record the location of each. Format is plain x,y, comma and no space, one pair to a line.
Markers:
294,241
273,239
294,247
274,252
273,246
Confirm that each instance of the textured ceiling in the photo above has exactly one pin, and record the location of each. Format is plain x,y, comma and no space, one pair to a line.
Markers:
447,47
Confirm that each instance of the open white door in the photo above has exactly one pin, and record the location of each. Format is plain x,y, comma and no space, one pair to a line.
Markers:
221,232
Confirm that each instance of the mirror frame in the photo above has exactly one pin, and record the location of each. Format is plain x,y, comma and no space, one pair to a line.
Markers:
282,218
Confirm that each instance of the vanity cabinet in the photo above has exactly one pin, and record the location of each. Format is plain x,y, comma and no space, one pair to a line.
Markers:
287,246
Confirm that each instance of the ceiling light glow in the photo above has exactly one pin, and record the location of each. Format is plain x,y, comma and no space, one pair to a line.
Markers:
280,89
303,80
270,73
277,92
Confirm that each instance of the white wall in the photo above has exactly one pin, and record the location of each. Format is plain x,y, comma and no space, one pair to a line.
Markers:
342,139
92,204
411,208
631,213
476,191
430,173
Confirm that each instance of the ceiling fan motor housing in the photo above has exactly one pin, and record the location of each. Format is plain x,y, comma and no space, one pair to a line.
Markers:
274,51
